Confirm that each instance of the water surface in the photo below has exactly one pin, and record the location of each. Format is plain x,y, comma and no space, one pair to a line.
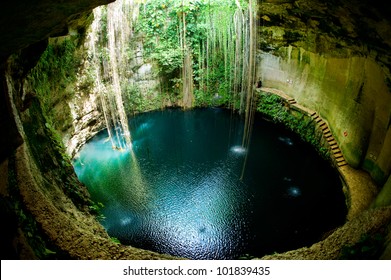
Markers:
179,190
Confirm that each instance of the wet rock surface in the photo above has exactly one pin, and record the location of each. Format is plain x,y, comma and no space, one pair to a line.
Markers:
336,29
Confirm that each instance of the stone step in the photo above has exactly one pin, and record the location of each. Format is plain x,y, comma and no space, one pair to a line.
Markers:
324,126
326,130
340,160
338,155
330,139
321,123
331,143
342,163
313,114
334,147
319,120
328,134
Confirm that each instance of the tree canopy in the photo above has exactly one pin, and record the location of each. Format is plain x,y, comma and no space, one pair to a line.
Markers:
212,37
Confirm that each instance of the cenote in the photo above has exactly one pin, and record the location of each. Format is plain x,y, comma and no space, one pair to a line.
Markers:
179,189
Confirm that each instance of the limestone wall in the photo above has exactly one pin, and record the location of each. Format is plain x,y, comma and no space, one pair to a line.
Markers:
140,84
350,93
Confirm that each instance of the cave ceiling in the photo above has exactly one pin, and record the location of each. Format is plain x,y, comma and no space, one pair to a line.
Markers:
25,22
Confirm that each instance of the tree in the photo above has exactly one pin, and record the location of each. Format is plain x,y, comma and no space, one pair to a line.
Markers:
202,48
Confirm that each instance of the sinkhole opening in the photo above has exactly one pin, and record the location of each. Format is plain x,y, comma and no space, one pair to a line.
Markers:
179,191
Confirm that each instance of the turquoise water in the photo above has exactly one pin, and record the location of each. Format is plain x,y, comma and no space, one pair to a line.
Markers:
178,190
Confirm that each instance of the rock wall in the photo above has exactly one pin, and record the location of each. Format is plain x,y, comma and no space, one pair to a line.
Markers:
333,57
350,93
87,120
144,76
140,89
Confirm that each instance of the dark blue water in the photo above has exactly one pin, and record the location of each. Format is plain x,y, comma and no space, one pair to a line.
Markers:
179,190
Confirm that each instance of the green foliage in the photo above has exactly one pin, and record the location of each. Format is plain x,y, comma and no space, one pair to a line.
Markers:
209,33
159,24
96,209
168,57
55,74
133,99
56,66
50,157
202,98
273,106
53,79
292,36
103,27
136,100
115,240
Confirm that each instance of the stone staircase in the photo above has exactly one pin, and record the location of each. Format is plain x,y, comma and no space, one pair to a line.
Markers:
336,153
291,101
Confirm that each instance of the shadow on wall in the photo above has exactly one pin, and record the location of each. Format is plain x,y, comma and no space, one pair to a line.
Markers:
350,93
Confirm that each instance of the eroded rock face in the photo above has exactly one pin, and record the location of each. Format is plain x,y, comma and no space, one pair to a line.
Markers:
140,80
87,121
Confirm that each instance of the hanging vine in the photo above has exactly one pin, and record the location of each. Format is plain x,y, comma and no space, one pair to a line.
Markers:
202,48
250,106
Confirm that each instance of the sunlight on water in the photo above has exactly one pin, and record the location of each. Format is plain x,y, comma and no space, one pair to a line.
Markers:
286,140
238,150
294,191
177,191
